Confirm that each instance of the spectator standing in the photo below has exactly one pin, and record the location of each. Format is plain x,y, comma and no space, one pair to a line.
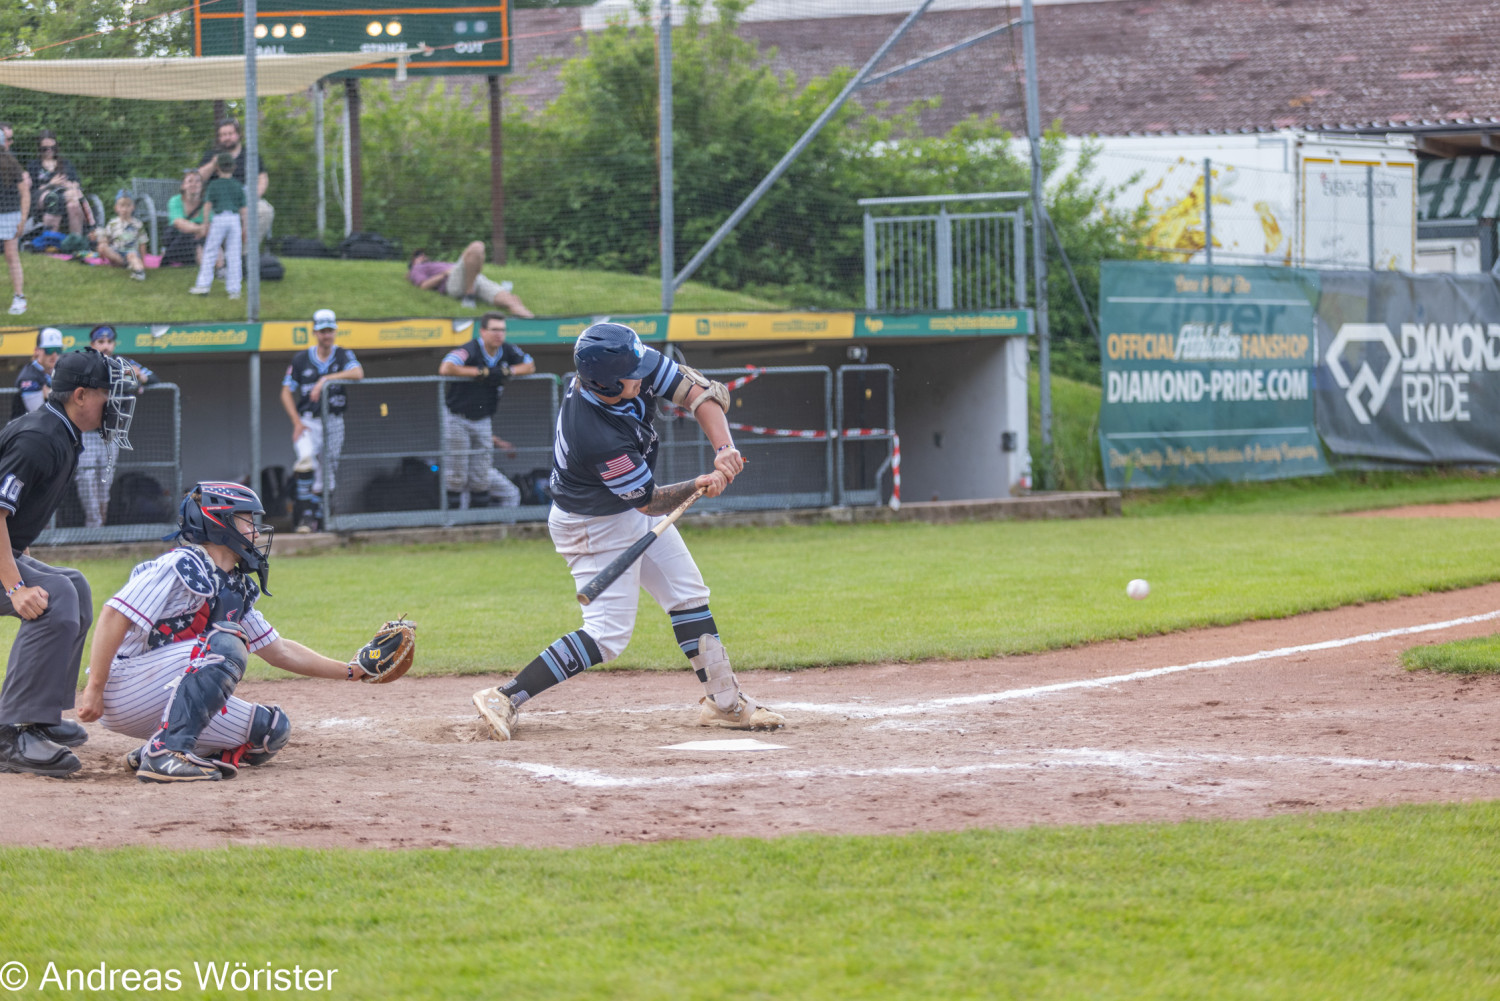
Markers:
35,381
224,206
38,454
321,369
15,209
122,243
228,141
96,464
187,226
486,363
464,280
55,189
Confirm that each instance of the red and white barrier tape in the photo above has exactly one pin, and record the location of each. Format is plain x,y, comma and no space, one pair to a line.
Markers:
784,433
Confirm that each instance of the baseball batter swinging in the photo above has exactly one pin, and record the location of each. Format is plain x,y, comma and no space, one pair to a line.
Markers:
604,498
172,644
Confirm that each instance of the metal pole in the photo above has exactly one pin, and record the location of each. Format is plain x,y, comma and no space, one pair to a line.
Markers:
252,174
497,174
664,144
356,172
322,156
1208,213
796,150
1038,242
869,262
254,421
347,204
944,259
1370,209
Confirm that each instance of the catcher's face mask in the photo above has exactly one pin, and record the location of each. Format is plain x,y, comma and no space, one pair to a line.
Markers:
119,408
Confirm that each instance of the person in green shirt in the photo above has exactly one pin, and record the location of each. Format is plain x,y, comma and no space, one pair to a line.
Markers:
188,226
224,206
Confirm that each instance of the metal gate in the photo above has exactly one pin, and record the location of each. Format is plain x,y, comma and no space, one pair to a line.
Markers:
962,261
866,409
147,486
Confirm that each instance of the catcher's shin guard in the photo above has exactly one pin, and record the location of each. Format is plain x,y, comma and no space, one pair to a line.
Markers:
203,689
725,705
269,733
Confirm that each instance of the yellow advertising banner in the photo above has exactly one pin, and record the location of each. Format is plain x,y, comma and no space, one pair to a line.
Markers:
373,334
760,327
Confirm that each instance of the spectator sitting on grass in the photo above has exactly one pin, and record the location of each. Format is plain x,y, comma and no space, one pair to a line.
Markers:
188,226
465,281
55,191
224,205
122,241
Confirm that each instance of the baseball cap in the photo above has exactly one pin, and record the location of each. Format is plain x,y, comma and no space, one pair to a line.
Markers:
86,368
50,340
323,319
103,332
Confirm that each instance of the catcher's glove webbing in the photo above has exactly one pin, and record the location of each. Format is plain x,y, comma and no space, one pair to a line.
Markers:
389,653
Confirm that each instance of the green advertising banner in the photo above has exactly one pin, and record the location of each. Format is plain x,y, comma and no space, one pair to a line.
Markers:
989,324
173,338
1207,374
565,330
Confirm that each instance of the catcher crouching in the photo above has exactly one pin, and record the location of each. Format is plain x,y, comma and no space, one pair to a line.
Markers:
172,644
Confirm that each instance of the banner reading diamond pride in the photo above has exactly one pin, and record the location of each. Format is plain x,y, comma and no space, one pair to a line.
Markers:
1207,374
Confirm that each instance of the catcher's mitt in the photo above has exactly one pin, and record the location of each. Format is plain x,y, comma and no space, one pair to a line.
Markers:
389,653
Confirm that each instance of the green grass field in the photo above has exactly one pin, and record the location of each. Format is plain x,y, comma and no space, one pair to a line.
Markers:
68,292
1379,904
1393,903
1480,655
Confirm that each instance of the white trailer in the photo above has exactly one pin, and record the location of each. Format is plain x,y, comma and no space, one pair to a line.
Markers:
1267,198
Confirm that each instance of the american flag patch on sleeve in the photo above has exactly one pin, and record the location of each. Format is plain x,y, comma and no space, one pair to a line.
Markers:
620,465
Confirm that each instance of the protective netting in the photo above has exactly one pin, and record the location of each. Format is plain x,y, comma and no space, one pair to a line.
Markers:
580,152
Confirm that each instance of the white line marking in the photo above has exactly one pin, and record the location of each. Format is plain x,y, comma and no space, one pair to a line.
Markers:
932,705
734,744
1142,763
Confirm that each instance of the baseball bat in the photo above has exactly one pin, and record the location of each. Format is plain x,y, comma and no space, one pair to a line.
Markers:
621,563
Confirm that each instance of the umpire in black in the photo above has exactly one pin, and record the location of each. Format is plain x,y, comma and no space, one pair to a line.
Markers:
38,457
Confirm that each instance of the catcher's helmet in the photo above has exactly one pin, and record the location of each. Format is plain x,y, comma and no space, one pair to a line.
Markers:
207,515
608,352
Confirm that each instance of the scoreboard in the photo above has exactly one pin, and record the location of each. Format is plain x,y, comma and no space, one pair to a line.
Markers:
467,37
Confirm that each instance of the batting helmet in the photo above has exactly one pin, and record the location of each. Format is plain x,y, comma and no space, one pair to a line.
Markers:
208,515
608,352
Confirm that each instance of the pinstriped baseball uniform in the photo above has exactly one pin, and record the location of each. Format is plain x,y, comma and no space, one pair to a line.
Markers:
167,601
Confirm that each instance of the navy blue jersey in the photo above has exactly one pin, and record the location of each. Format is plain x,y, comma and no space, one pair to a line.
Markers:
31,387
305,371
478,399
604,454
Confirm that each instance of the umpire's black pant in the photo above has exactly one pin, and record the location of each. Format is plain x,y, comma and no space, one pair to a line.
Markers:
41,676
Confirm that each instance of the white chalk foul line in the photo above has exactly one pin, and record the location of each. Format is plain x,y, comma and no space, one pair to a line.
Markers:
869,711
1138,762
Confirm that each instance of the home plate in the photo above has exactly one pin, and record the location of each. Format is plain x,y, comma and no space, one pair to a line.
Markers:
739,744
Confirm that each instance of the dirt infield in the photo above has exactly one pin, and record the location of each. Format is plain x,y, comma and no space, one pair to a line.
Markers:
1244,721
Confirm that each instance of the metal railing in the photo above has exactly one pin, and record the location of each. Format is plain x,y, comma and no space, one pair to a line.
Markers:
146,488
962,261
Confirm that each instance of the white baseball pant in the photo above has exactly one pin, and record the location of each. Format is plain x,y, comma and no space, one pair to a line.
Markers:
140,687
666,571
223,234
310,443
96,473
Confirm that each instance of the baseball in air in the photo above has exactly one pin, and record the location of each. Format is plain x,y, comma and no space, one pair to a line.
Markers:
1138,589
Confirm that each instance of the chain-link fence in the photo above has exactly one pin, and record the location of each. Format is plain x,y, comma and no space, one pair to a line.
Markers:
131,495
399,468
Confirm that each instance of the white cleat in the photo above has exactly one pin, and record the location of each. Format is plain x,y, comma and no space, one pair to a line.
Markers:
498,713
745,716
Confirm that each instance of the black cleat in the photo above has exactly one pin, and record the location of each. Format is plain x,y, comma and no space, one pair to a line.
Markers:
67,733
24,749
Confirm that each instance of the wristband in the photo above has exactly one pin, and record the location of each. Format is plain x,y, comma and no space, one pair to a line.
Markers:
723,447
351,672
19,584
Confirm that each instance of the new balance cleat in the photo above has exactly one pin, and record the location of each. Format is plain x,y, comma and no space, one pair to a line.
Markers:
497,711
745,716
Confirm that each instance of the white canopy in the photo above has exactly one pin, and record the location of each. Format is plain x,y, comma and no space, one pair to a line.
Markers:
207,78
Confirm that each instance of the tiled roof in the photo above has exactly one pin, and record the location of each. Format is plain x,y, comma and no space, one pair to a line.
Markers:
1134,66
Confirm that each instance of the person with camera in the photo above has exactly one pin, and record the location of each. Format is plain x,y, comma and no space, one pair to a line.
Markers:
484,365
